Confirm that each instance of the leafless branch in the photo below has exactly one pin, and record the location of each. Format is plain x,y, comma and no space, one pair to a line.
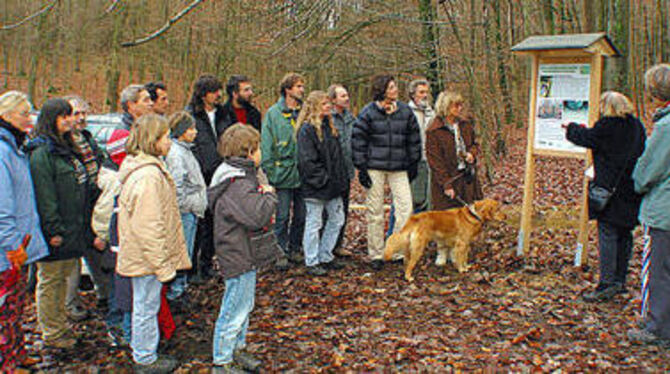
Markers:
44,9
165,27
112,6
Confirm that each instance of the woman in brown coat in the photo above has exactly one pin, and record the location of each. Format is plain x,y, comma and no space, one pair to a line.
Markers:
452,150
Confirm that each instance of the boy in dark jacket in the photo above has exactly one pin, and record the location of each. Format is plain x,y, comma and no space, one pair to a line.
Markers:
243,241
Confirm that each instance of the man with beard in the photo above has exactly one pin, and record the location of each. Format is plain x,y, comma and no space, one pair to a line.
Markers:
344,122
92,158
159,96
209,117
279,152
238,108
135,101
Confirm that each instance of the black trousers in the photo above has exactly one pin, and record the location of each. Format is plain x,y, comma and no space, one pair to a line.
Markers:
658,316
203,250
616,244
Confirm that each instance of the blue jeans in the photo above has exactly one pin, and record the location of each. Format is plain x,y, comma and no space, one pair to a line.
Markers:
230,330
321,251
146,304
190,224
290,240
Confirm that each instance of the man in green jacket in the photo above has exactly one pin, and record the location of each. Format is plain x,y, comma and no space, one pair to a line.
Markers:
280,162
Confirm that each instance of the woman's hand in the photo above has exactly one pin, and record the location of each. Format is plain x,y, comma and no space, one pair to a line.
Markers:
469,158
17,257
99,244
450,192
56,241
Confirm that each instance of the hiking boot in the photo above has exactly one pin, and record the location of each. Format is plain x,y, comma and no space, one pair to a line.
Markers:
377,265
317,271
282,264
163,364
644,336
226,369
341,252
333,265
295,257
247,361
76,313
602,293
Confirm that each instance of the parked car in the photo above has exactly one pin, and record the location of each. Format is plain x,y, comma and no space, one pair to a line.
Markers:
102,126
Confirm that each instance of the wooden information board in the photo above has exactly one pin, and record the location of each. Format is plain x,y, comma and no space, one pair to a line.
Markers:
565,87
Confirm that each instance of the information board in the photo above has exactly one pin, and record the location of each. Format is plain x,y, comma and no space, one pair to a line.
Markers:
562,97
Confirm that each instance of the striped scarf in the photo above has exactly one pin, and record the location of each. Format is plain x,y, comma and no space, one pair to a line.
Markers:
644,276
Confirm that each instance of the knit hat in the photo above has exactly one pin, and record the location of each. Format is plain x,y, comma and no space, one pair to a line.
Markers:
116,145
180,124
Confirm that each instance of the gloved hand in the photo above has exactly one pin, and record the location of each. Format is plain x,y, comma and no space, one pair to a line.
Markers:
412,171
17,257
364,178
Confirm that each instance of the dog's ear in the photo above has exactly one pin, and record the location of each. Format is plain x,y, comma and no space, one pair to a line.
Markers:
487,208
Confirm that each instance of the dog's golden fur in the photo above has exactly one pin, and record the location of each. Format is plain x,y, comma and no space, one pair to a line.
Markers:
453,228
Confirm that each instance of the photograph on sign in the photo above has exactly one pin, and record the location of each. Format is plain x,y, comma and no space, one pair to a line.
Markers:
563,97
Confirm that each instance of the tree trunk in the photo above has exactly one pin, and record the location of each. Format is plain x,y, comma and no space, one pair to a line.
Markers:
430,37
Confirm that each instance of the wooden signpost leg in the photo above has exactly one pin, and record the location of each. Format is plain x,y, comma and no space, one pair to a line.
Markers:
527,207
581,252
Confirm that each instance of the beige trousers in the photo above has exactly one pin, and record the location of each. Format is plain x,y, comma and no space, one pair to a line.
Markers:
50,295
402,199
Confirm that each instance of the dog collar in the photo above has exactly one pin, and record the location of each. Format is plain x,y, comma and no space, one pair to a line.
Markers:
471,208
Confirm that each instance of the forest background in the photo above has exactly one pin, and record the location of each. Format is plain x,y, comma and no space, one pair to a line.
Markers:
96,47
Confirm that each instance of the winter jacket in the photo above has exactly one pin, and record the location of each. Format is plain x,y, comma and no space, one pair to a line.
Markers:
278,146
242,216
109,184
424,116
344,123
204,146
65,198
151,238
441,157
185,171
389,142
18,209
652,174
616,144
230,118
322,171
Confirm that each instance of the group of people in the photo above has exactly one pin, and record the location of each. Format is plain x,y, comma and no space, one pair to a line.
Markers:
169,193
635,172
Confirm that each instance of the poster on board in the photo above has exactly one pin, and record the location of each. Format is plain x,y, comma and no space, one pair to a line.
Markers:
563,97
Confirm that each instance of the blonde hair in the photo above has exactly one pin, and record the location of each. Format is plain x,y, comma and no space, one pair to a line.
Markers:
146,132
615,104
311,113
238,141
444,102
11,100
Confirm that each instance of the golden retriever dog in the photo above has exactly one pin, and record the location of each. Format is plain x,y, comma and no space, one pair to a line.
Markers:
451,229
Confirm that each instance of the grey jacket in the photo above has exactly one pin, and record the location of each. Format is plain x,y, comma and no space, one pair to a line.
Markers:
243,237
185,170
344,123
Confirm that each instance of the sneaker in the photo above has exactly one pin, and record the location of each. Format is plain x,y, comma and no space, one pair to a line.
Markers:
163,364
116,339
377,265
316,271
247,361
226,369
602,293
282,264
333,265
644,336
76,313
295,257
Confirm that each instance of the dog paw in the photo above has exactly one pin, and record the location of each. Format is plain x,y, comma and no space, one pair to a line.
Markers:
464,268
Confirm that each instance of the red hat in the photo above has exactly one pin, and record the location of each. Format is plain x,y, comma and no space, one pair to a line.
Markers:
116,145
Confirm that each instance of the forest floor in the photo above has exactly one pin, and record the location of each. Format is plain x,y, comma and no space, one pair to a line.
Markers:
508,313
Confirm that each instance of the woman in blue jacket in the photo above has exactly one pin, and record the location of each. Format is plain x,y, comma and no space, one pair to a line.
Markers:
652,179
21,240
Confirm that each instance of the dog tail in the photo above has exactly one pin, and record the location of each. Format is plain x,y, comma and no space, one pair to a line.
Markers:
396,242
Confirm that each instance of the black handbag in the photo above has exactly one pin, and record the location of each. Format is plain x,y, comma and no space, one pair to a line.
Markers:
599,196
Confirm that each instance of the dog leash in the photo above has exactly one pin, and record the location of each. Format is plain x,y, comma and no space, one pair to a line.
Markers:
471,208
